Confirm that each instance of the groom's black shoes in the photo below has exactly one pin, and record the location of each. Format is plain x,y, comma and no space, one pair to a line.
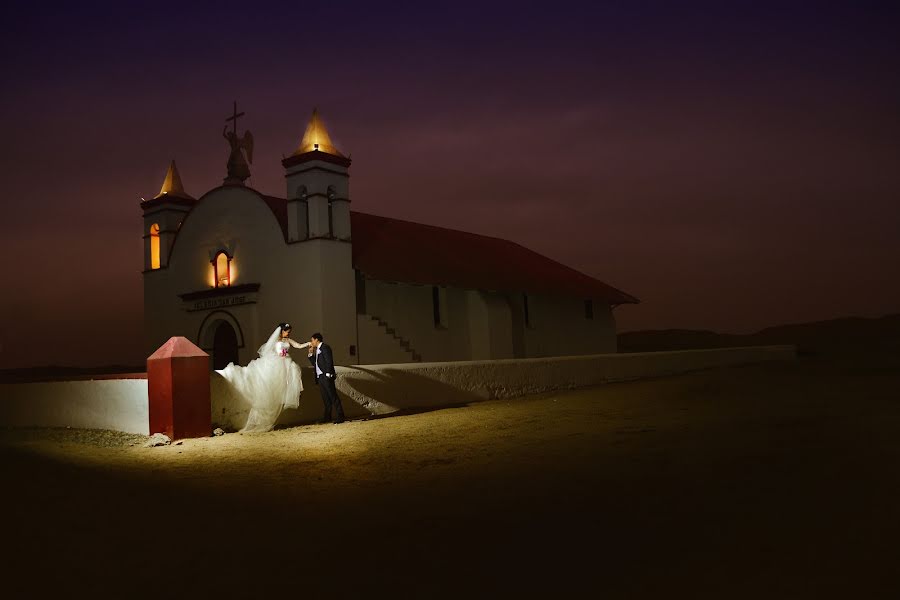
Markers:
338,421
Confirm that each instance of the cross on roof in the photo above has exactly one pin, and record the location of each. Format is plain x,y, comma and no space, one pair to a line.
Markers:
234,117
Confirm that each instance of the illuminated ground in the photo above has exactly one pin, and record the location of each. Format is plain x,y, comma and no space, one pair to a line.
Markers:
768,481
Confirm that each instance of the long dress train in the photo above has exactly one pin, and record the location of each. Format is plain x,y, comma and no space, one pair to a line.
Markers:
268,384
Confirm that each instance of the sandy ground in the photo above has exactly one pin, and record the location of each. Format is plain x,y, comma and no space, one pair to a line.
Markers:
763,481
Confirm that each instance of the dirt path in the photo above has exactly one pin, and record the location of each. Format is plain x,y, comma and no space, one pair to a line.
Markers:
774,480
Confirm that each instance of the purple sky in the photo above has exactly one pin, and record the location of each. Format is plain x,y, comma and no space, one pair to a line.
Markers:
734,167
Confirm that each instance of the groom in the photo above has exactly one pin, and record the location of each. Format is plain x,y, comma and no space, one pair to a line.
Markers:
321,358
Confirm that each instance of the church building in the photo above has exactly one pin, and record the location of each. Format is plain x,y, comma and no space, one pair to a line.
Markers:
225,268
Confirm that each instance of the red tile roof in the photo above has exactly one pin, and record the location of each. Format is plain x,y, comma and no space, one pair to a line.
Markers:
393,250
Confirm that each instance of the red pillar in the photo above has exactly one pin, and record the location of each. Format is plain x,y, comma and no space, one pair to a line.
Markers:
178,386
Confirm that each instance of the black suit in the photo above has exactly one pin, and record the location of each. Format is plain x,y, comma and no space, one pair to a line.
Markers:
326,385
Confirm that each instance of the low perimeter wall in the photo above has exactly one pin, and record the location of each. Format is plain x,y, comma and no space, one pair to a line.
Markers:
117,404
121,404
387,388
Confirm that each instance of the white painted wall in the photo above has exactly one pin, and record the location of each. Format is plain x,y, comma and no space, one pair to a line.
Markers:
407,308
383,389
486,325
378,343
313,180
372,389
559,327
317,176
117,404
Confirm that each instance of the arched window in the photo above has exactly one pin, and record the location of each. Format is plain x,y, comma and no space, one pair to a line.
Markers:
222,269
332,194
154,246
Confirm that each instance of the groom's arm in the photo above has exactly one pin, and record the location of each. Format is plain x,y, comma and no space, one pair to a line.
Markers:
328,359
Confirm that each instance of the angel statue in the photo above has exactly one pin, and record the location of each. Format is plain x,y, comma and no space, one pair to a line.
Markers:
238,169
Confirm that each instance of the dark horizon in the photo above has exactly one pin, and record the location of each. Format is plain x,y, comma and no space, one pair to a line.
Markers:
733,167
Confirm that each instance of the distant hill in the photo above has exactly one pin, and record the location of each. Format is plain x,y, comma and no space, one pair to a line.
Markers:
848,334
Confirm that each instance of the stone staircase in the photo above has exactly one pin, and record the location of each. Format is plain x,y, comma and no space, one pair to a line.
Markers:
403,343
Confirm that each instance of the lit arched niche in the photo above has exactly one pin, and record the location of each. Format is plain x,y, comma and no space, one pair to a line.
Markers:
223,273
154,246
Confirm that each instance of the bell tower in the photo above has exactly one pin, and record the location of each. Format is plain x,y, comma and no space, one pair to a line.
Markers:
318,204
318,187
162,218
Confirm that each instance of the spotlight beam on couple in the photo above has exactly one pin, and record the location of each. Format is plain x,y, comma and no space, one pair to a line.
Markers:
273,382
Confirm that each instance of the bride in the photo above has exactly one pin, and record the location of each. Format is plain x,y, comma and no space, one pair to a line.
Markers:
269,383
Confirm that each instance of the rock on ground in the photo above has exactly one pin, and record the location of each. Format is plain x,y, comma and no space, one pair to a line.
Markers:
158,439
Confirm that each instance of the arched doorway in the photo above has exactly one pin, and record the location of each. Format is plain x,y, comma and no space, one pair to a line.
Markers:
221,336
225,345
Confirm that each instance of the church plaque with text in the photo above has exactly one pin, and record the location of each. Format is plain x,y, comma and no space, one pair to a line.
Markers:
221,297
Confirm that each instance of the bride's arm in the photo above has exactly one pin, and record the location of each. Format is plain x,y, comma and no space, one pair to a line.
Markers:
296,345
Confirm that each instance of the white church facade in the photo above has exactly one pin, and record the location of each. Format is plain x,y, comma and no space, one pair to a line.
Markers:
225,268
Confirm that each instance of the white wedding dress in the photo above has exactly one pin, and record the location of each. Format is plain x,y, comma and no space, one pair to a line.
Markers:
268,384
